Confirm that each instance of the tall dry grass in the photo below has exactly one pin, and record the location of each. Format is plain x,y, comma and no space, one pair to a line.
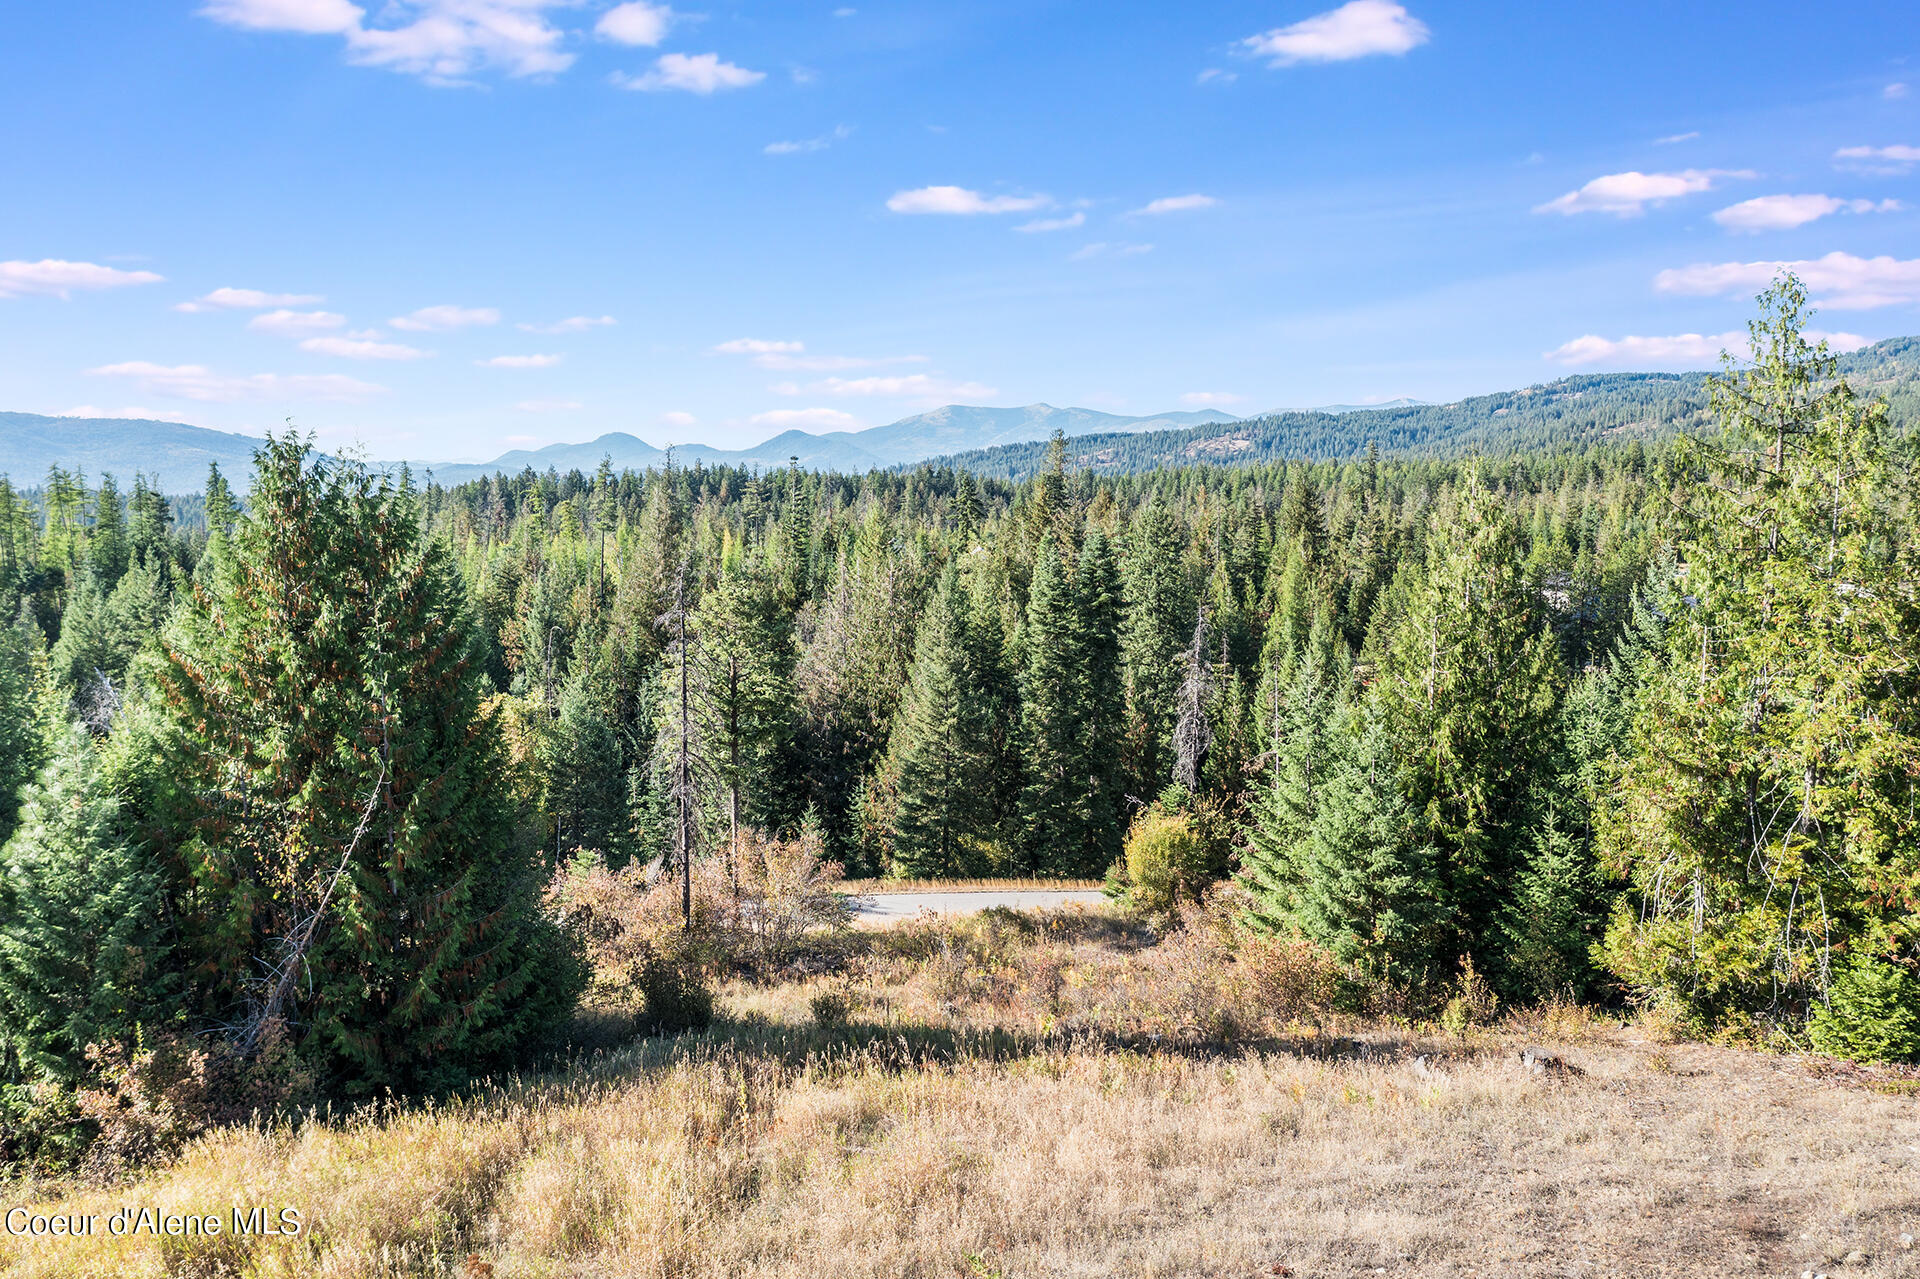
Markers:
938,1127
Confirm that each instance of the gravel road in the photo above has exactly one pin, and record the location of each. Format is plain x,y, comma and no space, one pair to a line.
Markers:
883,908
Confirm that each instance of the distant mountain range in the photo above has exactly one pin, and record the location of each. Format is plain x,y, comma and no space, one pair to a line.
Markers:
1571,412
178,455
955,428
1011,442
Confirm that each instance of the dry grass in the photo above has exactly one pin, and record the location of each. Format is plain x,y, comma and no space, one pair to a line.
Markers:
945,1128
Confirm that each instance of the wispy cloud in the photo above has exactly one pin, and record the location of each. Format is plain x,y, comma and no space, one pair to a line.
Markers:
442,41
1838,280
959,200
635,24
1884,161
438,319
1357,29
1216,75
701,73
758,346
1672,138
51,277
1053,224
246,300
572,324
806,420
360,348
1895,91
1627,195
285,323
808,145
1177,204
199,383
1682,350
1782,212
549,406
520,362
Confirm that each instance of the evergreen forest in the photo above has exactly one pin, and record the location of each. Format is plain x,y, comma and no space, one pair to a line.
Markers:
1633,722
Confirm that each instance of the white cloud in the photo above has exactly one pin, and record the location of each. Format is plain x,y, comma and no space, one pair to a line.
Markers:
549,406
636,23
246,300
309,17
844,13
443,41
959,200
676,417
1838,280
913,385
693,73
1781,212
1215,75
758,346
437,319
807,145
520,362
1672,138
197,382
1178,204
1894,92
1880,160
572,324
1626,195
1053,224
1357,29
51,277
1682,350
357,348
1204,398
806,420
284,323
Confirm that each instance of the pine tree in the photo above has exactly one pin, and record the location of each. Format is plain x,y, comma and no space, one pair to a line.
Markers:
1053,804
1470,682
1365,883
1156,623
943,822
107,540
1765,804
341,802
84,956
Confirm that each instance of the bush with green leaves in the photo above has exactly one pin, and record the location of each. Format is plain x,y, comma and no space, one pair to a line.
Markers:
1872,1013
1166,861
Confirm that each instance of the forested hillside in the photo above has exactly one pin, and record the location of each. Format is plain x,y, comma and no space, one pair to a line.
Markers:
1614,720
1570,413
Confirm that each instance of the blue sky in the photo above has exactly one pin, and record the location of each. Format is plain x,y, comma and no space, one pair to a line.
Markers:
446,228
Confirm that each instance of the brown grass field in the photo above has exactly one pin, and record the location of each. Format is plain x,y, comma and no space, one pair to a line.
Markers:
996,1097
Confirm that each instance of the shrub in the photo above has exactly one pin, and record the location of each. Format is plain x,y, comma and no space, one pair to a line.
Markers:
1473,1002
1166,861
675,996
1872,1013
831,1008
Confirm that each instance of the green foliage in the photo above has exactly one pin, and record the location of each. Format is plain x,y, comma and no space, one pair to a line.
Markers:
1166,861
84,949
675,996
1872,1013
334,777
1765,803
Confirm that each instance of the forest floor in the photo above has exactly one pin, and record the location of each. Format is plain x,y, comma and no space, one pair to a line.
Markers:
1005,1097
